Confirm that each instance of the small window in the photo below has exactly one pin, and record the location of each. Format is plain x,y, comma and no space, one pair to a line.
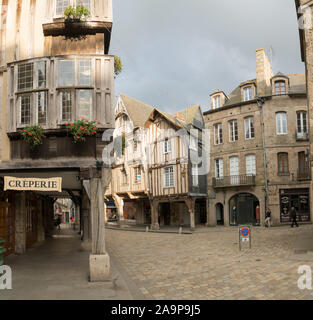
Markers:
247,94
66,73
167,147
61,5
219,169
280,88
281,123
84,98
283,163
233,130
41,74
25,109
42,107
216,102
250,165
84,72
302,122
66,105
169,177
249,128
137,174
218,134
25,76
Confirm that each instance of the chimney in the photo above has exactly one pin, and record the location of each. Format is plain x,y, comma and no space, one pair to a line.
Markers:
264,72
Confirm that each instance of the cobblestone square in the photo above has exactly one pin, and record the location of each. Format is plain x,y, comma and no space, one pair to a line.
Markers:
209,265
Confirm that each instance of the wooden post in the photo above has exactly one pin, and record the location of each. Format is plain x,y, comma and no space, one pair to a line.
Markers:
20,223
97,216
191,203
99,260
154,214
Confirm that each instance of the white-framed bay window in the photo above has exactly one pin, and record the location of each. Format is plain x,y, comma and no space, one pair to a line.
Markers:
61,5
168,177
75,87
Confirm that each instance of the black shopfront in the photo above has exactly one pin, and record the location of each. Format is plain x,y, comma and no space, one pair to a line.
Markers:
298,198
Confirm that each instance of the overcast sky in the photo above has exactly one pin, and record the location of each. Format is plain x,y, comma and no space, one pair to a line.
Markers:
177,52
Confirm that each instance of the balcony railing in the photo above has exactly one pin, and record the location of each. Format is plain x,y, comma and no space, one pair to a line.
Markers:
302,136
234,181
304,173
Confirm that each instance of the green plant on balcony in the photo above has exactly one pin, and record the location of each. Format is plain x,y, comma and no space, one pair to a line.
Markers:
33,135
118,65
82,128
76,14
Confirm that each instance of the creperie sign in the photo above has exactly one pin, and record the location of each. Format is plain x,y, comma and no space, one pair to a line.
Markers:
33,184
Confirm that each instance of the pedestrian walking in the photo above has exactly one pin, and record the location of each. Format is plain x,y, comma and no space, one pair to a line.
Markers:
293,215
59,222
268,214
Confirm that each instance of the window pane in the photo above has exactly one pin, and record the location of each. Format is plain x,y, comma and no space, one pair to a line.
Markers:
84,72
66,106
41,74
25,110
84,99
250,165
85,3
25,76
61,5
42,107
66,74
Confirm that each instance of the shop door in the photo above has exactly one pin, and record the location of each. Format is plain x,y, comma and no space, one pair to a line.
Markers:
7,222
31,221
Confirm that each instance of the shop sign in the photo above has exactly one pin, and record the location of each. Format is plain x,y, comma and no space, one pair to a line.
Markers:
33,184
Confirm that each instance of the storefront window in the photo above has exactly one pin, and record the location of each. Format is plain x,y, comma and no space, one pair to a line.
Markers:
298,198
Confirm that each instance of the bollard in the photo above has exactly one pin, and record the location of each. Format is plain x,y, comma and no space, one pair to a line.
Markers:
180,230
147,229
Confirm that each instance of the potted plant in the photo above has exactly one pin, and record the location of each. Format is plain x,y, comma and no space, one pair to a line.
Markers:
73,14
80,129
33,135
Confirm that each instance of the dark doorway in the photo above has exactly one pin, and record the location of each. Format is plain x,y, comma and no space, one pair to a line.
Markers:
220,214
243,209
165,214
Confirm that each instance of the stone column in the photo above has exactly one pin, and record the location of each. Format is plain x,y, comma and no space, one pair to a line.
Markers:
211,214
191,203
99,260
154,214
20,223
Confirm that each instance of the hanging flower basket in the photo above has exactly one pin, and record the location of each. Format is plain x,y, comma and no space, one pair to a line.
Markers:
33,135
81,129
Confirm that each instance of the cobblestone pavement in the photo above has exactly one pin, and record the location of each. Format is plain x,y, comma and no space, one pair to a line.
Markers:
209,265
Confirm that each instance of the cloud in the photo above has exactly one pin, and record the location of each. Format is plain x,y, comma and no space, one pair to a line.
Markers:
175,53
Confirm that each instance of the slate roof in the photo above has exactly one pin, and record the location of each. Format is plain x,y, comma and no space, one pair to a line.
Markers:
297,86
138,111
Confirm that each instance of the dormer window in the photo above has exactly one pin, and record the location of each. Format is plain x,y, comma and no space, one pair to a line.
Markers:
247,93
217,102
280,87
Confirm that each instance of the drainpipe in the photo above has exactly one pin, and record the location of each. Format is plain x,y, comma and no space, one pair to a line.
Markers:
260,102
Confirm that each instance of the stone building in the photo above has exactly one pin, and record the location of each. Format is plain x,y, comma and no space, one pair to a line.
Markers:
54,71
305,19
260,148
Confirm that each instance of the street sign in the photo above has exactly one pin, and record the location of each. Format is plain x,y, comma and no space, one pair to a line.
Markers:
244,235
212,196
